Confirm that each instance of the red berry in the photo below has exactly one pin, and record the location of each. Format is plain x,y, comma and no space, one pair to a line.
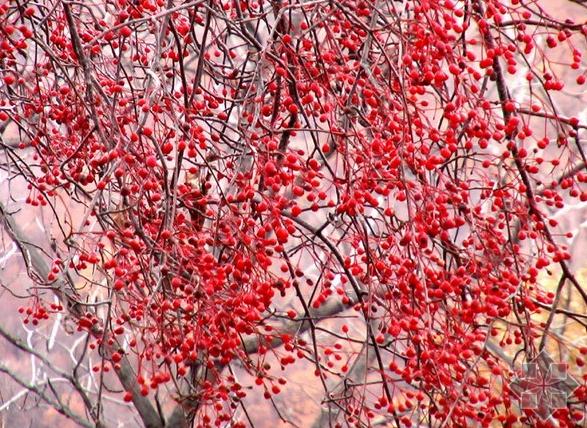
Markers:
282,235
9,79
125,31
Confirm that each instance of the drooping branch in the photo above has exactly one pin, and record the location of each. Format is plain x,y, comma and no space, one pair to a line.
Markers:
65,294
20,344
56,404
504,98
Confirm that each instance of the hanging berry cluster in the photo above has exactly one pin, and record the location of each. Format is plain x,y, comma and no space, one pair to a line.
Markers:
238,171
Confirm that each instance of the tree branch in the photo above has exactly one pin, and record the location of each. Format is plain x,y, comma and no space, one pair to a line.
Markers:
57,405
125,373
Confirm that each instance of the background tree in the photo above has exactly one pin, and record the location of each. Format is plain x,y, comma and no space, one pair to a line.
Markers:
238,197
